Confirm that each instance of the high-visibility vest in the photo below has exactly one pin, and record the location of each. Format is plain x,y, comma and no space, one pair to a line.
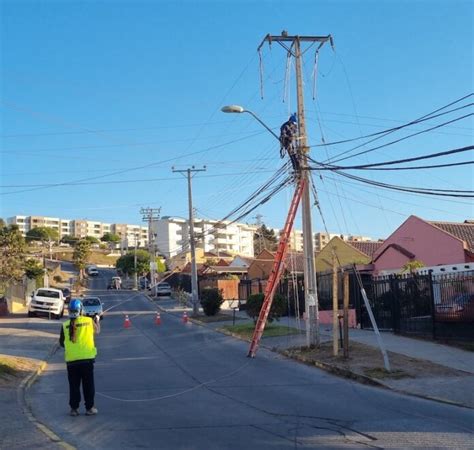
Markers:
83,347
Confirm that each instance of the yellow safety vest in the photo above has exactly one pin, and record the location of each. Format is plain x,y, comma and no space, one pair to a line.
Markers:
83,347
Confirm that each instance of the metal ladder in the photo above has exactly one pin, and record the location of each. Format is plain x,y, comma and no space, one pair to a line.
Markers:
277,270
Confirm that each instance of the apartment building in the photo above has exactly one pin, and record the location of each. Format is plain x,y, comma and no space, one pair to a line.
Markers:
81,228
172,236
322,239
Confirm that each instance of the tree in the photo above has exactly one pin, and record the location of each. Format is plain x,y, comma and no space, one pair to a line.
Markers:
412,266
160,265
71,240
255,302
34,270
92,239
264,238
12,255
126,263
110,237
80,256
43,234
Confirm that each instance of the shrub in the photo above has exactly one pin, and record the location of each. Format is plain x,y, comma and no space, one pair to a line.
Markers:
57,278
255,302
211,301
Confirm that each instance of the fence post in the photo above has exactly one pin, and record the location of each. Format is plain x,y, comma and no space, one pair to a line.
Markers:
433,307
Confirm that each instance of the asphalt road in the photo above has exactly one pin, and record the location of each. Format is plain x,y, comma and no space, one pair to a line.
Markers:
183,386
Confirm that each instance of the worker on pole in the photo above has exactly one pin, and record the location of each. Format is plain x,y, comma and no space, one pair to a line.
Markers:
288,136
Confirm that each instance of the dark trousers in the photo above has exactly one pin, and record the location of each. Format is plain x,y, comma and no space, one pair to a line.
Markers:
77,373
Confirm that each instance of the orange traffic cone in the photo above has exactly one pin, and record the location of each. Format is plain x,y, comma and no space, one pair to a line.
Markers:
127,323
185,317
158,319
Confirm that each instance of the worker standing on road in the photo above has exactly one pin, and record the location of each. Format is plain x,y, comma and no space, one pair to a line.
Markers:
288,135
77,338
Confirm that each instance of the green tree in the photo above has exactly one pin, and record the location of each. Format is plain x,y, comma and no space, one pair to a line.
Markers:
80,256
264,238
12,255
126,263
110,237
92,239
34,270
71,240
255,302
160,265
211,300
43,234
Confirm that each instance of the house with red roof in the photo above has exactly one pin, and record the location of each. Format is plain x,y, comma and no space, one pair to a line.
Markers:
431,242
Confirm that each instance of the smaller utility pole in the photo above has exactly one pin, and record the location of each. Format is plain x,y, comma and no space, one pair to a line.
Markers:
135,279
149,215
194,280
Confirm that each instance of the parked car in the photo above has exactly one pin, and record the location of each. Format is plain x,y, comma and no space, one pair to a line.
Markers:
47,301
460,308
67,294
144,283
163,289
115,283
92,306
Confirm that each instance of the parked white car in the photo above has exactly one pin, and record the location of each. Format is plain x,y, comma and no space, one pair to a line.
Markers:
47,301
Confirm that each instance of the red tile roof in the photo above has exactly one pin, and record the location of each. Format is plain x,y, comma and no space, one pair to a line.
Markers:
367,248
463,231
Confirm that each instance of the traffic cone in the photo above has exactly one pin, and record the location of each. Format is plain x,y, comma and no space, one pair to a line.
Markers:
185,317
158,319
127,323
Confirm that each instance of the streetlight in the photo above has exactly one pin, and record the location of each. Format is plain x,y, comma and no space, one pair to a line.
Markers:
240,109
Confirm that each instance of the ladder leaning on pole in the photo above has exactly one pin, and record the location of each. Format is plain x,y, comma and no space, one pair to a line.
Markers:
277,270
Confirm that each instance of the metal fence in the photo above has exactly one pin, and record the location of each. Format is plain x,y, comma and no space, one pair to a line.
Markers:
437,306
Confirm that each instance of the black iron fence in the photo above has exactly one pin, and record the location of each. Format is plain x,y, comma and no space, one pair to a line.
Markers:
437,306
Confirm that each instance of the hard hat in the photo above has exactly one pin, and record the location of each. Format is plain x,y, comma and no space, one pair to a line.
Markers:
293,118
75,308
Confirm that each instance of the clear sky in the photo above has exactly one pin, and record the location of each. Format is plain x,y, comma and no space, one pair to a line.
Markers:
90,88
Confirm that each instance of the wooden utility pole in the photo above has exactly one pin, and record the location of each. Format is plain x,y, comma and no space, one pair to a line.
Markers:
292,44
194,280
346,314
335,309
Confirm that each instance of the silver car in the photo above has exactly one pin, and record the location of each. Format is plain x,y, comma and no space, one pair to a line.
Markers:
92,306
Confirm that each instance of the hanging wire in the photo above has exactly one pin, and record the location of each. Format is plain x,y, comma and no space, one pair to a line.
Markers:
286,91
315,72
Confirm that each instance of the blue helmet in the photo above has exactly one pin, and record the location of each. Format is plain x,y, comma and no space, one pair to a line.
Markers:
75,308
293,118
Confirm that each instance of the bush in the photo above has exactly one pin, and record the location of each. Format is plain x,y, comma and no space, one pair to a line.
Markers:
211,301
255,302
57,278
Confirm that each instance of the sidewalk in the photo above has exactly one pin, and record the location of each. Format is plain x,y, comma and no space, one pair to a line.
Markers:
458,388
19,338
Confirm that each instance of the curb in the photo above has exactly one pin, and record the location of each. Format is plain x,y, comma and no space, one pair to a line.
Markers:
21,397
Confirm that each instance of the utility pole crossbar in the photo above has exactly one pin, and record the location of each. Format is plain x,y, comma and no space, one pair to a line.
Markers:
278,266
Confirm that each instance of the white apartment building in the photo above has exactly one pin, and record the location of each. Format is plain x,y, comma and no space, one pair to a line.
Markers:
81,228
321,239
172,236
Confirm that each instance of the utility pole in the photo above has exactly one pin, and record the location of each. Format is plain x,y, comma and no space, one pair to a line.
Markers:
135,275
293,46
149,215
194,281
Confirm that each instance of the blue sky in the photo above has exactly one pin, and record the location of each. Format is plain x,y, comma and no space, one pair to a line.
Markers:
93,88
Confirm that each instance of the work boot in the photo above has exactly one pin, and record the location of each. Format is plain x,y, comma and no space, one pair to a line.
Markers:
74,412
92,412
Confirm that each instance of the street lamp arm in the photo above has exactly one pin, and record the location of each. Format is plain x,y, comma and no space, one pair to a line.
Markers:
239,109
262,123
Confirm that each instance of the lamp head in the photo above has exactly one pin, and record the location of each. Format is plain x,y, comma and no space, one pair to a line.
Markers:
232,109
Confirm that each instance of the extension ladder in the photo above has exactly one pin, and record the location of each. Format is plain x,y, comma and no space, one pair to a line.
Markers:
277,270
